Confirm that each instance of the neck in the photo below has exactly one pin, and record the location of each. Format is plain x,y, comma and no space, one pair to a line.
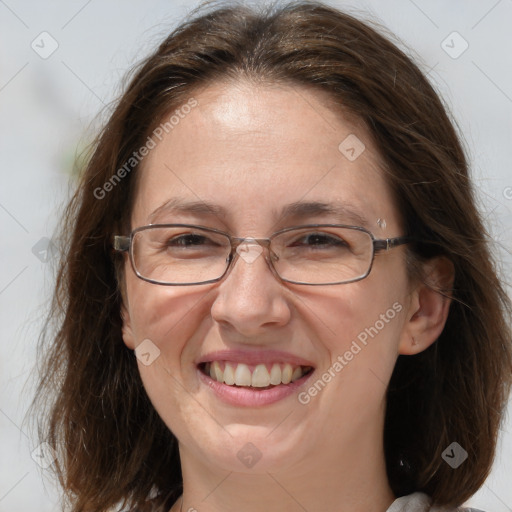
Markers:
349,480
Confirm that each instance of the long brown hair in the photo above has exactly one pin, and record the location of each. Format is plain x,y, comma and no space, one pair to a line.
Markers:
112,445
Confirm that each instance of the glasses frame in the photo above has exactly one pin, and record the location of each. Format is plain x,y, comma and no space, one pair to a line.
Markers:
124,243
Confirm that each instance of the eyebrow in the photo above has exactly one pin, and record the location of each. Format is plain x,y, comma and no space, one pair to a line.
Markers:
298,210
343,212
177,205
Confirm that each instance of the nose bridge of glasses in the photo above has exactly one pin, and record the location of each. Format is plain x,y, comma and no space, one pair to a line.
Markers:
249,249
236,242
256,246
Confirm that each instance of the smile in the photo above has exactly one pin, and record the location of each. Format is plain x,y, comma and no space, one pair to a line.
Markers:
262,375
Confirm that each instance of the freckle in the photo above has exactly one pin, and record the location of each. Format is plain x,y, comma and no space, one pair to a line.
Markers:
381,223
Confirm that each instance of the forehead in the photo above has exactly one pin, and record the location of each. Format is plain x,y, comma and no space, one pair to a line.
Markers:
254,150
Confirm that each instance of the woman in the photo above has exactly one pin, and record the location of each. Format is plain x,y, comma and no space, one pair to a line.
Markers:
277,292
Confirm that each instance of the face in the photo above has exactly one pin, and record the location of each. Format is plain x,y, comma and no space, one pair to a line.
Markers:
253,150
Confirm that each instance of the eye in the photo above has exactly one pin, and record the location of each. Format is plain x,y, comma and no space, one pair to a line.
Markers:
319,240
192,245
189,240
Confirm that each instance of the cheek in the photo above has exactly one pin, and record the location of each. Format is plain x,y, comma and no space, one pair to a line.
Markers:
362,321
342,317
358,327
168,316
175,320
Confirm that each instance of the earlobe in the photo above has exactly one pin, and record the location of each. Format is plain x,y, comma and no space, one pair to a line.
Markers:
128,337
429,308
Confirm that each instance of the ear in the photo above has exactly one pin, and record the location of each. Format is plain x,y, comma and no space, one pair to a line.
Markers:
128,336
429,307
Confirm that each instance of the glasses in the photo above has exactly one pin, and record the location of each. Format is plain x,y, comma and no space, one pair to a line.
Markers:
315,254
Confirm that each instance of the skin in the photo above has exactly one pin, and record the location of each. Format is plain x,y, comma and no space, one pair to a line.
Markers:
251,149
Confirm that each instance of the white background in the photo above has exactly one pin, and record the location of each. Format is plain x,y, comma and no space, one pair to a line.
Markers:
46,110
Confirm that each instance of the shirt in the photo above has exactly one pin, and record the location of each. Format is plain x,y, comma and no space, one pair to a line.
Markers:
420,502
417,502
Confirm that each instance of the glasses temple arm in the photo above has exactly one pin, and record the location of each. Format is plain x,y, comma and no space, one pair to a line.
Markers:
389,243
121,243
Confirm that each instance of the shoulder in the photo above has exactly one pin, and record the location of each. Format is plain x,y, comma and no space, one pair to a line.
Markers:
420,502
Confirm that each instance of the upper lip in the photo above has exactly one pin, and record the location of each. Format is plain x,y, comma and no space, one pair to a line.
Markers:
254,357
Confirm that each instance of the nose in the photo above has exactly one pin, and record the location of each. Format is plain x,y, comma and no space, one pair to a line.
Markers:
250,297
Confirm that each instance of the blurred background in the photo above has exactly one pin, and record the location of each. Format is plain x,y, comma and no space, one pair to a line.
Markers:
61,65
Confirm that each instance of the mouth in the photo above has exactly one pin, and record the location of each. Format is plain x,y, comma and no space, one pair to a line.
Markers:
260,376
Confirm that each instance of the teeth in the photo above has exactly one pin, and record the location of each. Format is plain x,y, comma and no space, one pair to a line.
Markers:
275,375
260,377
286,376
217,372
297,373
229,375
241,375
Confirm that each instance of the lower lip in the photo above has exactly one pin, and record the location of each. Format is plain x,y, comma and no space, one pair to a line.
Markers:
252,397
